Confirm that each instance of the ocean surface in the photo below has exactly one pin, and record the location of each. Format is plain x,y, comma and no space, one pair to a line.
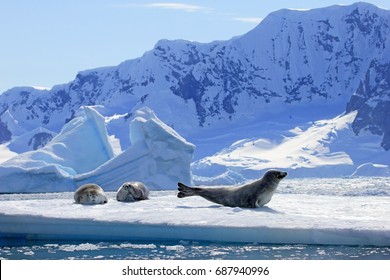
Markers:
183,250
15,249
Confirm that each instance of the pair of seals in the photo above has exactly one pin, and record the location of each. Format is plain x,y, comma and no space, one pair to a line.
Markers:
94,194
252,195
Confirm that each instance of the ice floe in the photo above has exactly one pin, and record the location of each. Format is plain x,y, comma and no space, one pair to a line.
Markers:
290,218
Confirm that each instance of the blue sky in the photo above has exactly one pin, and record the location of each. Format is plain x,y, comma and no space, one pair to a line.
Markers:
46,42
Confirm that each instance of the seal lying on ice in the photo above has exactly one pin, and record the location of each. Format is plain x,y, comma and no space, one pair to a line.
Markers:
132,191
90,194
255,194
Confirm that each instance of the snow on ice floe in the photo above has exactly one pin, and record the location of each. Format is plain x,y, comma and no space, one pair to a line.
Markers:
83,153
290,218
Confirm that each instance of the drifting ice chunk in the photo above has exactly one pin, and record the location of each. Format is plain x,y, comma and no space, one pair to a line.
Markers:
81,146
158,157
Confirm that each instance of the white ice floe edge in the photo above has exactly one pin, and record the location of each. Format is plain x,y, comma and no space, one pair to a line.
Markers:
289,219
68,229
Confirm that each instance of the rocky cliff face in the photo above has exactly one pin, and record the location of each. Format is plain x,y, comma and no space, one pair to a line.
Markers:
293,59
372,101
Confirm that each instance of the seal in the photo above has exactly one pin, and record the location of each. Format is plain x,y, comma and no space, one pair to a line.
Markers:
252,195
132,191
90,194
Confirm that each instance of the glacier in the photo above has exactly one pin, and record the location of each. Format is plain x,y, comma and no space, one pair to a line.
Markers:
83,153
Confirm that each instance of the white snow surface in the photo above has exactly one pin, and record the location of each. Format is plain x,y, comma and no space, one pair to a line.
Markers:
337,211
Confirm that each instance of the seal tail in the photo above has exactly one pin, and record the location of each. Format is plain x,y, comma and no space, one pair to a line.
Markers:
185,191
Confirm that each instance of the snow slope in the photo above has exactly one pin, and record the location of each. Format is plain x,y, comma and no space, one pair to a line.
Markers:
324,148
290,218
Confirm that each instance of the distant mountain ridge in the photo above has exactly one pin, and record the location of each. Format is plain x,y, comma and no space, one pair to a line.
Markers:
327,57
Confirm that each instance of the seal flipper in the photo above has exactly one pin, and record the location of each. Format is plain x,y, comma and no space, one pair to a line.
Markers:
185,191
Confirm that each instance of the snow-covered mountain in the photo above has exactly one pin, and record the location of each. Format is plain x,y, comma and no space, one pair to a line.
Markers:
294,67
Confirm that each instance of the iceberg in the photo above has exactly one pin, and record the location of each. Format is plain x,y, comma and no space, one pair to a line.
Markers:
81,146
83,153
158,157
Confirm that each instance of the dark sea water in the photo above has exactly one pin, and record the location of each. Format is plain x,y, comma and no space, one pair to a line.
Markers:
182,250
